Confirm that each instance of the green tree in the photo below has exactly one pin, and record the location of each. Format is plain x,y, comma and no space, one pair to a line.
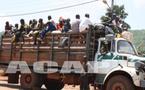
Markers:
119,11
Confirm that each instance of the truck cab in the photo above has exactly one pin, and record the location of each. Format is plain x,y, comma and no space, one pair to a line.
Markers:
116,64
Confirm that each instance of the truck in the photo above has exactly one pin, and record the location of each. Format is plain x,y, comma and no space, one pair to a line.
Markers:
114,62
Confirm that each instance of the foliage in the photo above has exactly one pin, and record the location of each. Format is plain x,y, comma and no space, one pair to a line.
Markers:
118,11
139,40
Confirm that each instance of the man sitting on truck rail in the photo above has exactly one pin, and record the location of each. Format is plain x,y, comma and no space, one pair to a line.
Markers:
16,34
34,30
75,24
23,26
84,25
63,26
8,28
49,27
20,32
40,27
67,26
60,24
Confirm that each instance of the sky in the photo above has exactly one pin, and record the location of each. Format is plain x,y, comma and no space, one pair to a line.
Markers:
135,9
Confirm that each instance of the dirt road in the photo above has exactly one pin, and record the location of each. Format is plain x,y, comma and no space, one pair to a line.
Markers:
5,86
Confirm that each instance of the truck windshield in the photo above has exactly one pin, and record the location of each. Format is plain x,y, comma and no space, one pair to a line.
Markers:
125,47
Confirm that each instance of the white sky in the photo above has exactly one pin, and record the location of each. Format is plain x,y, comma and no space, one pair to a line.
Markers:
135,9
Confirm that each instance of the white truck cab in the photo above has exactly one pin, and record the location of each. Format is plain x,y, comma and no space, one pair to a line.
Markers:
116,68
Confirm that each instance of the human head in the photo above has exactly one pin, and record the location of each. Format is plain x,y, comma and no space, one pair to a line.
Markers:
40,20
7,23
125,27
61,20
77,16
30,22
114,15
22,21
49,17
16,25
87,15
68,19
34,21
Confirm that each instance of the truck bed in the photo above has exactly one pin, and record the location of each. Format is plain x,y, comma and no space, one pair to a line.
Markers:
48,50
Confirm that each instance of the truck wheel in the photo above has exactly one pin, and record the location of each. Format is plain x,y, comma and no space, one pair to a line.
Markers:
119,83
31,81
51,84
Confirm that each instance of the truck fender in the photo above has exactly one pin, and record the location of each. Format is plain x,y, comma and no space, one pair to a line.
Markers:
125,71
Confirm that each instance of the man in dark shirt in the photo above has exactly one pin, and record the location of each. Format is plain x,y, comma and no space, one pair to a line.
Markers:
49,27
8,28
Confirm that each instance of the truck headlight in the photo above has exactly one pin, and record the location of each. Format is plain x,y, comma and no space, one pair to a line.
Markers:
140,66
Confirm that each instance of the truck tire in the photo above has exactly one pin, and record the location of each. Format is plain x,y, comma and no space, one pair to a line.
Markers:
119,82
31,81
51,84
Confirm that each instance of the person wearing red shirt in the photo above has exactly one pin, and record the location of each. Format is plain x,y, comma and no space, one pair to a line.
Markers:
60,25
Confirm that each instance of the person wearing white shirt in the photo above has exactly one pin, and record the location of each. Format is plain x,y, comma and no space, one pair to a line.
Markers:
84,25
75,24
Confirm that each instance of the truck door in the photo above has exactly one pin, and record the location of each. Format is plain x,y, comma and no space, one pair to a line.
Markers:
105,57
